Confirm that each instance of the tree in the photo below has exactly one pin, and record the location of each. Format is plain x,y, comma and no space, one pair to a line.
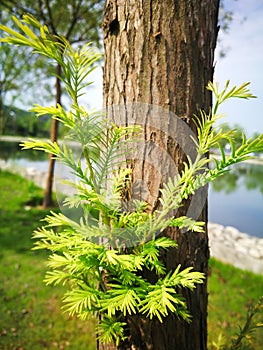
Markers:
9,72
162,53
77,21
113,255
238,134
14,64
19,72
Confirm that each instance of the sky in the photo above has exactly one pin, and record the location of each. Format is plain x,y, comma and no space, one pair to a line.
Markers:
243,63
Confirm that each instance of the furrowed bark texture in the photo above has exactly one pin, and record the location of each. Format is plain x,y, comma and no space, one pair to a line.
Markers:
161,53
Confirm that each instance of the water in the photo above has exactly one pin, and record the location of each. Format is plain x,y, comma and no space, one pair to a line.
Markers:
235,199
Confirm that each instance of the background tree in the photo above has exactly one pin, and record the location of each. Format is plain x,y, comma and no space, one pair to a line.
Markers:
162,53
238,134
14,66
10,71
77,21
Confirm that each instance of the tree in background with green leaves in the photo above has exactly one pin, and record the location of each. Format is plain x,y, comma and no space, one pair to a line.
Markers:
103,255
238,134
77,21
13,78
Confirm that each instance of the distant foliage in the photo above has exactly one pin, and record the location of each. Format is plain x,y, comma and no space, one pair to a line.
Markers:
23,123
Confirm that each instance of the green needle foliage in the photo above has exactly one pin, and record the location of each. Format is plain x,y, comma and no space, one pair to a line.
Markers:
101,256
243,340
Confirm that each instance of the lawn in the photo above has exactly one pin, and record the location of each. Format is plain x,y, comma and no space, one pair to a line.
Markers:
231,293
31,317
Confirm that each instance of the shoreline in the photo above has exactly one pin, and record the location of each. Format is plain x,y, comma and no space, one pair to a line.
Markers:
239,249
18,139
226,243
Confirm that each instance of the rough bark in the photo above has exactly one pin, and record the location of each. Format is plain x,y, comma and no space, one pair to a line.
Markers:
47,201
161,53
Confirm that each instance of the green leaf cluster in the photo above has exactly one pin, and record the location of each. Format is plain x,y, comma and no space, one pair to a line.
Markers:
105,256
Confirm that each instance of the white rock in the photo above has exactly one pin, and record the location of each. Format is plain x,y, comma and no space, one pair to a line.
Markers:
232,231
255,253
241,249
249,242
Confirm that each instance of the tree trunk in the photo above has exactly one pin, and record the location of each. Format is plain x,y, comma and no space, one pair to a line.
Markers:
2,114
48,202
161,53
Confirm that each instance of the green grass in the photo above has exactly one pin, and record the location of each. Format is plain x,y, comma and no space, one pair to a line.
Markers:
231,293
31,317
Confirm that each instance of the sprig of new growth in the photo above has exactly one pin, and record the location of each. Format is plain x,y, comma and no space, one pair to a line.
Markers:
220,96
197,174
244,338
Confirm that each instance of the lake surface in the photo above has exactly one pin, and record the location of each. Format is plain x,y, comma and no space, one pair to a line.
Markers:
235,199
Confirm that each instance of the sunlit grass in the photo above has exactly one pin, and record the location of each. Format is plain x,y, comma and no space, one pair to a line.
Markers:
231,292
31,317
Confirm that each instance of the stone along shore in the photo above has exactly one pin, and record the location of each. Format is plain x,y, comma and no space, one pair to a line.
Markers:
236,248
226,243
